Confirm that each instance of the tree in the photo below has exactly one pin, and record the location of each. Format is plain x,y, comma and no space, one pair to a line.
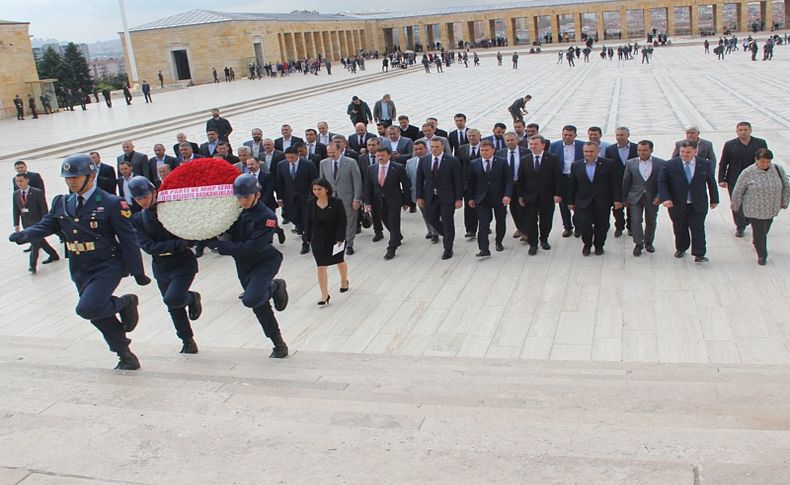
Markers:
76,73
50,65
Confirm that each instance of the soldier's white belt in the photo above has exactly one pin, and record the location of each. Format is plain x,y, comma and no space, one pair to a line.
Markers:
78,247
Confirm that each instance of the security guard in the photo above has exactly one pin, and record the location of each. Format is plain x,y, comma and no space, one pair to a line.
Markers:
102,247
174,264
257,261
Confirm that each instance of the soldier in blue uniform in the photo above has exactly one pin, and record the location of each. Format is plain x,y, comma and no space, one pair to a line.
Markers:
174,263
102,247
257,261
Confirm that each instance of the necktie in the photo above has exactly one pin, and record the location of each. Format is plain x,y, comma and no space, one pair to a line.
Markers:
360,140
687,168
334,170
310,149
435,167
498,144
293,171
382,175
474,153
24,197
80,201
537,163
512,161
372,160
488,166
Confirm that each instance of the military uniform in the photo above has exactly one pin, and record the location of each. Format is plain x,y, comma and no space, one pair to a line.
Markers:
175,267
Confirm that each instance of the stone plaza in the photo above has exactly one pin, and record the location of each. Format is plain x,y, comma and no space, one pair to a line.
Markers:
552,368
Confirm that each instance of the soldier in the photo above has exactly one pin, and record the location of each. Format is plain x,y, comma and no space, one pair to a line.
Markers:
20,107
102,247
31,103
174,264
257,261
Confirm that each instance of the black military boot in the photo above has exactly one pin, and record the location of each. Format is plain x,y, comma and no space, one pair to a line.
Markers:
189,347
127,360
280,350
129,315
195,309
279,294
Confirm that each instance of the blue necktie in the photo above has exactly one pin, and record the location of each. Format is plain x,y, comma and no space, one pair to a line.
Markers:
293,171
687,168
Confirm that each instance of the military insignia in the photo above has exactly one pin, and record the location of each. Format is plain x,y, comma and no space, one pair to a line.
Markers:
125,210
66,166
271,223
124,205
94,225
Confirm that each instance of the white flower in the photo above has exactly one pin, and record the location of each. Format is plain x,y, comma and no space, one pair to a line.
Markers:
199,219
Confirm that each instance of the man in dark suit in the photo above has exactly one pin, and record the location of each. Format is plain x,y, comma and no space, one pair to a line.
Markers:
621,152
532,129
256,144
219,124
738,154
497,136
439,188
514,155
162,158
186,153
254,166
465,154
568,150
491,186
359,139
106,179
457,137
387,187
684,185
408,130
223,152
704,147
139,162
125,174
640,195
315,148
324,135
287,139
29,207
400,146
294,186
518,109
384,110
595,185
208,148
540,185
365,160
436,130
34,179
182,138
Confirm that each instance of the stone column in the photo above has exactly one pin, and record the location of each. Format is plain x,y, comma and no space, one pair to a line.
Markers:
444,34
694,16
430,41
470,31
577,26
318,41
336,45
510,31
718,18
787,13
555,27
767,14
670,21
624,22
410,37
491,31
599,26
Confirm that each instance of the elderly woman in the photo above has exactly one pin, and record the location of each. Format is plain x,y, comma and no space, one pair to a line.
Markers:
762,189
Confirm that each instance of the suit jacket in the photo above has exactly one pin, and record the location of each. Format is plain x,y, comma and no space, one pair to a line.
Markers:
447,148
33,210
195,148
411,132
140,165
206,151
329,135
278,143
496,142
171,161
704,150
134,205
447,187
106,178
347,186
672,184
490,187
319,149
249,144
377,111
465,157
613,153
558,148
505,155
634,186
542,186
605,189
456,141
353,140
266,180
290,188
34,180
403,150
730,166
397,186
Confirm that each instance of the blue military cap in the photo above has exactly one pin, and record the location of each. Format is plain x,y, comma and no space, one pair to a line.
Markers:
140,186
77,165
246,184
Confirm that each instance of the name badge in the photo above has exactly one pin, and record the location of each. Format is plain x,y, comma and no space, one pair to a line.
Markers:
25,210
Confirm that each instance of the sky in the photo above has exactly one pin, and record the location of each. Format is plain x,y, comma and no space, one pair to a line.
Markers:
95,20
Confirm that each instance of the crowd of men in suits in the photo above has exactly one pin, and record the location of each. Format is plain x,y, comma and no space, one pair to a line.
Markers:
404,168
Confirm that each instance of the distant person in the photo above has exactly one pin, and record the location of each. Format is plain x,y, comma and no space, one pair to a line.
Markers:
161,79
146,88
127,94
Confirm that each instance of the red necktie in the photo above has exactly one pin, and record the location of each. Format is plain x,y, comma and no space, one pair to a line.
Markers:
382,175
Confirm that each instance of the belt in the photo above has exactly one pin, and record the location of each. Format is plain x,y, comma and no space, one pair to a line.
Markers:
78,247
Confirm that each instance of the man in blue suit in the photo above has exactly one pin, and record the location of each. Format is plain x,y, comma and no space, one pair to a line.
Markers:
568,150
620,153
439,190
685,184
293,186
491,186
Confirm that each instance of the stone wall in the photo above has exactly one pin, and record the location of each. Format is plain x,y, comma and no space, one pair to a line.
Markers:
17,67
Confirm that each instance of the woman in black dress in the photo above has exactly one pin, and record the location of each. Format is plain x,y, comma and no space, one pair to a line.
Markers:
326,226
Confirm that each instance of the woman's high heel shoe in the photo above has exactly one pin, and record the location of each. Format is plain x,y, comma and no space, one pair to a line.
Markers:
343,290
325,302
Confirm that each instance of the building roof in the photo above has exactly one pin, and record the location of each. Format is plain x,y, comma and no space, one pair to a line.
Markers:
198,17
473,8
11,22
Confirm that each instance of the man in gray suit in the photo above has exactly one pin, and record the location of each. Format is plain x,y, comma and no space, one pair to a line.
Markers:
401,146
139,161
704,147
384,110
344,176
29,206
429,133
256,144
640,194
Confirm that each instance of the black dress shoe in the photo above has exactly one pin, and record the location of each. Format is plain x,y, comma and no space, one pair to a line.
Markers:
545,245
701,259
389,254
638,250
567,233
279,352
761,261
586,250
359,230
281,235
32,269
533,250
428,236
447,255
483,253
618,232
241,295
199,253
649,248
434,239
577,233
195,309
598,251
294,231
499,246
129,314
680,254
739,232
350,251
305,249
26,250
51,259
189,347
378,237
279,294
286,221
470,235
127,361
412,210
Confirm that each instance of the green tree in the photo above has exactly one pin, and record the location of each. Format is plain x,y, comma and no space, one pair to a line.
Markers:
76,73
50,65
